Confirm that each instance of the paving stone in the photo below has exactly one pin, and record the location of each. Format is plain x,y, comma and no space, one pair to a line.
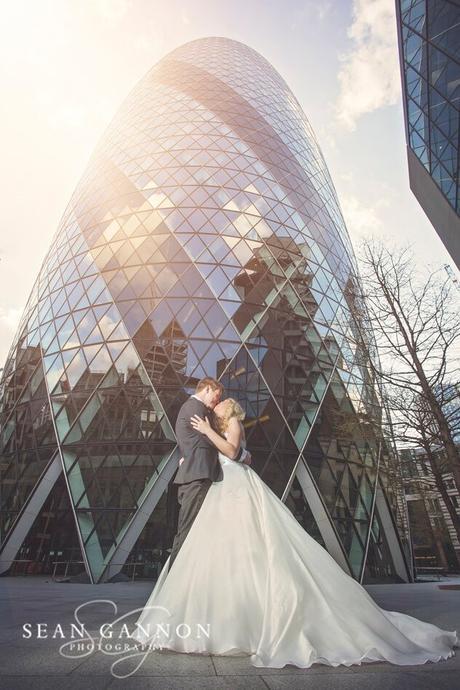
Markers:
33,664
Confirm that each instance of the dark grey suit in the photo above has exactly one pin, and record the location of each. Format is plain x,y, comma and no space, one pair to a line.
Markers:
199,469
200,455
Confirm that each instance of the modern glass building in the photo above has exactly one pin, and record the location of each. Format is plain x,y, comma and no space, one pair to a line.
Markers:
204,238
429,48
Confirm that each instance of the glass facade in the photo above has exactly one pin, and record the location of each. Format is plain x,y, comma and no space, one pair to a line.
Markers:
449,397
429,47
431,53
204,238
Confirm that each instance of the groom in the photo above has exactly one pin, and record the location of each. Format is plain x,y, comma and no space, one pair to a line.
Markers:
200,466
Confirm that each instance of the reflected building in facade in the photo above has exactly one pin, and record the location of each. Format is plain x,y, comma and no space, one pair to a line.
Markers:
204,238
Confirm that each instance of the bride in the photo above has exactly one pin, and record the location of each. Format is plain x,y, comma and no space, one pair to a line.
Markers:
250,581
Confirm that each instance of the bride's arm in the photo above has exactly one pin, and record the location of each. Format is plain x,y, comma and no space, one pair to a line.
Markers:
230,446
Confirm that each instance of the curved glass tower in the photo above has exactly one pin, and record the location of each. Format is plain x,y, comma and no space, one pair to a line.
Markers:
204,238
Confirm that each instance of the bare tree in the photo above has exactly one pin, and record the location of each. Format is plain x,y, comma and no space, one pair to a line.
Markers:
416,325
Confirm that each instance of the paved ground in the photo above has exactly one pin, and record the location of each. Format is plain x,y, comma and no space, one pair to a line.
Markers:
36,664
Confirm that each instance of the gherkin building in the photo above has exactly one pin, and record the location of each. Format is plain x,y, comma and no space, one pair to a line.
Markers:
204,238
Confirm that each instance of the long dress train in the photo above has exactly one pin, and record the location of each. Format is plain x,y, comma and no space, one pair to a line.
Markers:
249,580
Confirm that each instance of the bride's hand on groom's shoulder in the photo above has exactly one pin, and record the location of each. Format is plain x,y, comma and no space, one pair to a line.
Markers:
201,425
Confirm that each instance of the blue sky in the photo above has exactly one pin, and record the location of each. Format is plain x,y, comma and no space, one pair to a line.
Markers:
66,65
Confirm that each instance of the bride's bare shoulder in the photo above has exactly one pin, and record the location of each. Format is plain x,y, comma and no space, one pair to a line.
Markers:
234,423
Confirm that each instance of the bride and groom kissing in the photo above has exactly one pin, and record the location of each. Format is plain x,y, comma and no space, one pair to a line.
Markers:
201,421
246,569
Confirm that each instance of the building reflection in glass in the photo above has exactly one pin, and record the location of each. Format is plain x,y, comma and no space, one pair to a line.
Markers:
204,238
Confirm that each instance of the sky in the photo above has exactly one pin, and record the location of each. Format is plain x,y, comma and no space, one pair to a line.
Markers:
67,65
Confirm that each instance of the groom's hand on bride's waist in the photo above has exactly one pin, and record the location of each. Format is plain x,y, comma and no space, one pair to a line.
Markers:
246,458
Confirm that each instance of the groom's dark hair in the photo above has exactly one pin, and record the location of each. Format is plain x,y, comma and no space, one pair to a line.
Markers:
208,381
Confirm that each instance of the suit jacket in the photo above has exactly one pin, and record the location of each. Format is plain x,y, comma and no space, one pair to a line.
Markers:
200,455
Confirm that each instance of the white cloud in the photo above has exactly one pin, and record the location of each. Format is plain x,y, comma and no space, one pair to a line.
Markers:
362,219
9,322
369,77
325,135
311,11
71,113
9,318
346,176
113,10
184,17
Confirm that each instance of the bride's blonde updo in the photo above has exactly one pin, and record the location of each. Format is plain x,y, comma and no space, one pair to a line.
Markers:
232,409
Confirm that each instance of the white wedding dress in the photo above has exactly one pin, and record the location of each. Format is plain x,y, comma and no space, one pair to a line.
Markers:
259,585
